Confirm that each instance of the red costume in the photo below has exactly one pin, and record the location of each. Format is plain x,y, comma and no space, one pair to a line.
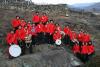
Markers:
57,35
29,26
91,49
73,35
81,36
15,22
84,49
20,34
11,38
40,28
44,19
86,38
51,28
22,24
76,48
67,30
36,19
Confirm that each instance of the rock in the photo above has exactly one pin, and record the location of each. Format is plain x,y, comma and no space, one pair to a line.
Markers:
57,57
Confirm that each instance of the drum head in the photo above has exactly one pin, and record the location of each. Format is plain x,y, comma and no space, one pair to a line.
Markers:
58,42
15,50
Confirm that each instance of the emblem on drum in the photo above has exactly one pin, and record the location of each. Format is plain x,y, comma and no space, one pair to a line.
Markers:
15,50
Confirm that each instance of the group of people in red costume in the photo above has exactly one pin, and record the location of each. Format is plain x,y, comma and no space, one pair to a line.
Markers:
43,30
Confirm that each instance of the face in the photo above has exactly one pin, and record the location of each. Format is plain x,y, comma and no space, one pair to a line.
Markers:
19,27
37,13
12,32
25,27
17,17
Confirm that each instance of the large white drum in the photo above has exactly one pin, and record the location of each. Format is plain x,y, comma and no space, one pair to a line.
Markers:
15,50
58,42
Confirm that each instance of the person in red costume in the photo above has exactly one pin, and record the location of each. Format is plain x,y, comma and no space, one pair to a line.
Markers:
36,18
76,49
80,37
91,49
22,23
34,35
16,22
84,52
58,28
29,25
44,18
21,38
40,32
66,39
86,37
56,35
11,38
28,34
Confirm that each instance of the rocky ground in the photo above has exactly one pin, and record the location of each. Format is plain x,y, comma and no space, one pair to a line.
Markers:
48,57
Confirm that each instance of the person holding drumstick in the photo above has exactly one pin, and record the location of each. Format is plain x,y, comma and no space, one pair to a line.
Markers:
11,39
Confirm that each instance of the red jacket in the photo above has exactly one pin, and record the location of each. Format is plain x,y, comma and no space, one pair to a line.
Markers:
91,49
44,19
84,49
22,24
76,48
56,36
29,26
15,23
20,34
51,28
86,38
73,35
11,38
47,28
67,30
81,36
36,19
40,28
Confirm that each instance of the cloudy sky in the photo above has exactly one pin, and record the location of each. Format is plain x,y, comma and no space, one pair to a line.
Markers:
64,1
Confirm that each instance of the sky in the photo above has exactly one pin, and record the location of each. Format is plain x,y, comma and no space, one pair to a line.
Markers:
70,2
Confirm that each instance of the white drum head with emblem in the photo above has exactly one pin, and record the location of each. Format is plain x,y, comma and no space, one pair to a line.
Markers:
15,50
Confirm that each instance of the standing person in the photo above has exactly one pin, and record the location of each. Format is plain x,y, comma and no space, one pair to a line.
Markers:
47,32
28,39
86,37
34,34
22,23
36,18
66,39
58,28
76,49
84,52
91,49
21,38
52,28
80,37
56,36
73,38
11,39
44,18
40,30
16,22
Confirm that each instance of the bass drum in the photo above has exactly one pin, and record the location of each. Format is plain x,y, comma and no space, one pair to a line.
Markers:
15,50
58,42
